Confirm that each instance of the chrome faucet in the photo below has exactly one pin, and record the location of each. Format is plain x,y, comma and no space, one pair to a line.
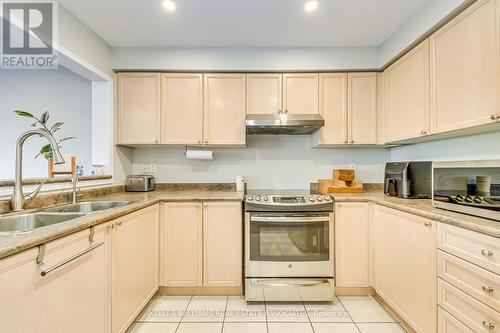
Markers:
19,199
78,172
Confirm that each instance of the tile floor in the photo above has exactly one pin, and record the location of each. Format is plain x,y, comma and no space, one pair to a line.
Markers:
231,314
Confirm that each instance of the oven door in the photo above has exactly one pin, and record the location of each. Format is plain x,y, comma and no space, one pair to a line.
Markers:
289,245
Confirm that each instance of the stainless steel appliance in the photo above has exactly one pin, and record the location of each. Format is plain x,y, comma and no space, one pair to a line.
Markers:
409,180
140,183
289,252
459,186
283,123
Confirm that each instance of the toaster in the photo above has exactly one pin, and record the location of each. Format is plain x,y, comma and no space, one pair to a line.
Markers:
140,183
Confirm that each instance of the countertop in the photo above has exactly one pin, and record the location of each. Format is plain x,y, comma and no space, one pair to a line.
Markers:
12,244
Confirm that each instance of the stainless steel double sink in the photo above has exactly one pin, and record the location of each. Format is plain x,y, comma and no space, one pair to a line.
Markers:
23,223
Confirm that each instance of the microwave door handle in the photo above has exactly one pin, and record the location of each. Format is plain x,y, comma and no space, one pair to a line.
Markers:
284,219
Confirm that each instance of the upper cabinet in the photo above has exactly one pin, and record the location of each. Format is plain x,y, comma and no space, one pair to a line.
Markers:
300,93
182,109
138,108
362,108
264,92
465,69
333,108
225,109
407,95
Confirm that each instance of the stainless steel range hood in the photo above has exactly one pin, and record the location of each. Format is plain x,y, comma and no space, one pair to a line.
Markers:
284,124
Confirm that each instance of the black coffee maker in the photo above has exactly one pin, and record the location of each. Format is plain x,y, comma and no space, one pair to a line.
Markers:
409,180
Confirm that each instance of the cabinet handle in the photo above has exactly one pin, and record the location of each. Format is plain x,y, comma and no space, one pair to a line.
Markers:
279,111
486,253
488,290
286,111
423,132
119,223
352,141
494,117
199,141
156,141
488,325
206,141
428,224
346,141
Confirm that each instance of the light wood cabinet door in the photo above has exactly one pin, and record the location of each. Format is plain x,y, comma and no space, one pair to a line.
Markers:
352,267
138,108
300,93
362,108
72,298
333,108
407,106
225,109
182,109
181,244
465,69
406,266
134,265
264,93
222,244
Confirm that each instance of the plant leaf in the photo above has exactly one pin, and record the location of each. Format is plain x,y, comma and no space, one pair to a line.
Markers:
24,114
56,127
45,151
67,138
44,117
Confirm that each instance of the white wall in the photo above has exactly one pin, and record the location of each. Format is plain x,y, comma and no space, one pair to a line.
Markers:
476,147
286,162
65,95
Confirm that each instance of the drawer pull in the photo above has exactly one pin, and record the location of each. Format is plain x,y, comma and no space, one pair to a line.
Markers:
487,325
488,290
486,253
428,224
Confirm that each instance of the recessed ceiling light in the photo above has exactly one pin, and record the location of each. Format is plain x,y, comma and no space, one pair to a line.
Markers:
311,5
169,5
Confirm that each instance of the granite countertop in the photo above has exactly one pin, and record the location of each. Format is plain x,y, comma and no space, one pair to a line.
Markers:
12,244
424,208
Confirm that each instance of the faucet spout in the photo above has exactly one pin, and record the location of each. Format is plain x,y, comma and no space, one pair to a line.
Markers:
18,197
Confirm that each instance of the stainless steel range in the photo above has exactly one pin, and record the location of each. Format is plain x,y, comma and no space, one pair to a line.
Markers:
288,246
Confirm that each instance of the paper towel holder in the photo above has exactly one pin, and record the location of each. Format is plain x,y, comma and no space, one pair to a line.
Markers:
212,157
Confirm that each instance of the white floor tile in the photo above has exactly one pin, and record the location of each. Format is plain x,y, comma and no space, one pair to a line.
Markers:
335,328
327,312
154,328
166,309
200,328
365,309
380,328
206,309
244,328
286,312
289,328
239,311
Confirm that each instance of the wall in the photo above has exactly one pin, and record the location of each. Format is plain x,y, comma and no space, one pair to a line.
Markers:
65,95
475,147
286,162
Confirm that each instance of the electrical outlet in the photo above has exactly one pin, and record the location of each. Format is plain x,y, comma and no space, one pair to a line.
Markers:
152,167
144,168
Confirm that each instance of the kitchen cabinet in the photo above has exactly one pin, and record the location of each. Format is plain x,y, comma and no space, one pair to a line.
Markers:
138,108
405,266
362,108
134,265
352,267
222,244
182,109
202,245
181,245
72,298
300,93
224,109
407,106
465,69
264,93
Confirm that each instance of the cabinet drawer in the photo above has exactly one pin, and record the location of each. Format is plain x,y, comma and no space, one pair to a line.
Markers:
474,247
449,324
475,281
469,311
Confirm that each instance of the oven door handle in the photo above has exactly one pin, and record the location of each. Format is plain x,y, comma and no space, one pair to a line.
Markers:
291,283
288,219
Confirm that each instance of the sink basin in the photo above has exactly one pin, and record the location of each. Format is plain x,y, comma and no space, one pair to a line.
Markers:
87,206
22,223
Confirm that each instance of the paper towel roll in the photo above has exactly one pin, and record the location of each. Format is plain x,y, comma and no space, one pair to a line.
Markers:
199,154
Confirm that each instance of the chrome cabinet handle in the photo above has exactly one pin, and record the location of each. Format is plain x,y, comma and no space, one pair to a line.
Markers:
428,224
279,111
119,223
352,141
286,111
486,253
488,325
46,271
423,132
494,117
206,141
304,283
488,290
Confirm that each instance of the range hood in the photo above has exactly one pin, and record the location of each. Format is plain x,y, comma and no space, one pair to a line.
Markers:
283,124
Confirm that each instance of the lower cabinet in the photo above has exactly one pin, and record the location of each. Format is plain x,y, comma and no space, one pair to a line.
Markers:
405,266
71,298
134,265
202,244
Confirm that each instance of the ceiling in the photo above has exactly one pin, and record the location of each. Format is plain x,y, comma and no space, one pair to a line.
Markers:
244,23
